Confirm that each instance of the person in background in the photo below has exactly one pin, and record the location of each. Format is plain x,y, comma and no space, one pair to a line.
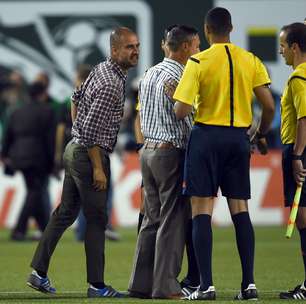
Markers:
13,95
44,79
28,146
293,134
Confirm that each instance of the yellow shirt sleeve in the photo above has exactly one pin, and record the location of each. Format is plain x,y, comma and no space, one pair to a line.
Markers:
298,89
137,107
188,87
261,74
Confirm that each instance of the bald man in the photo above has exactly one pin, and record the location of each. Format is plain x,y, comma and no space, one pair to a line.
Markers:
96,110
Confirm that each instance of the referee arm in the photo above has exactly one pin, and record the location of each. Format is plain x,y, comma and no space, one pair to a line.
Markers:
264,96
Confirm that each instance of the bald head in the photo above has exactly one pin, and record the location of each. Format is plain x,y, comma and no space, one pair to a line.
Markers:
117,34
124,47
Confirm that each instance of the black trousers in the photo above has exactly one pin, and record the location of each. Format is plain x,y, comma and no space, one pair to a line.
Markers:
34,204
78,192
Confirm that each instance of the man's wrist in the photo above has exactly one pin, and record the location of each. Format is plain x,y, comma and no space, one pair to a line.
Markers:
296,156
260,135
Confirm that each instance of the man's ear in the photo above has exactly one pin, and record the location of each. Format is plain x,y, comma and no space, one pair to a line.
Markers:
295,47
113,52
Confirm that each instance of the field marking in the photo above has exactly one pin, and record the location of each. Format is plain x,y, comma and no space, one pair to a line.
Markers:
80,292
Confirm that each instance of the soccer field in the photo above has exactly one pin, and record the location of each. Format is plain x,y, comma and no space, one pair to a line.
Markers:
277,266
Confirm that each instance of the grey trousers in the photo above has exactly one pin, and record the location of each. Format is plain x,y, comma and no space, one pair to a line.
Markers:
160,244
78,193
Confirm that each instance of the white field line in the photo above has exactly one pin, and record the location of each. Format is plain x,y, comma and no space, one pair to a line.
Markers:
84,292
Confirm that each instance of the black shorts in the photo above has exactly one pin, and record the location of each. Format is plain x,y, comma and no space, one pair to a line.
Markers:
288,179
218,157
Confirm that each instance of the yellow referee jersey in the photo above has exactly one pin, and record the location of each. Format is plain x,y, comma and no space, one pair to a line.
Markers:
224,77
293,103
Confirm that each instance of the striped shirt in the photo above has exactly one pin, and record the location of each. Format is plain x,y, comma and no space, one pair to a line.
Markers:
157,117
100,102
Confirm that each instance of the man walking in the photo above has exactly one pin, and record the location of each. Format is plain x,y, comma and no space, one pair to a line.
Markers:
293,133
160,244
218,155
97,108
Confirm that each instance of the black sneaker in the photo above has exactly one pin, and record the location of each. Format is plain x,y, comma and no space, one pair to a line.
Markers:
39,283
201,295
106,292
249,293
187,288
298,293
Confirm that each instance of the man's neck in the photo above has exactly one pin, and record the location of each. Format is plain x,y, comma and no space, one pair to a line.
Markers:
299,59
178,58
219,39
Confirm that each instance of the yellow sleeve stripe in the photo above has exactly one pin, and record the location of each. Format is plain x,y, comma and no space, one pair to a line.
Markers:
299,77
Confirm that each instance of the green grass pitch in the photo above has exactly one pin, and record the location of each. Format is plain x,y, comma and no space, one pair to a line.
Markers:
278,266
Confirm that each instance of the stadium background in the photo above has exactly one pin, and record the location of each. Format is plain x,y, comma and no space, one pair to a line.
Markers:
55,36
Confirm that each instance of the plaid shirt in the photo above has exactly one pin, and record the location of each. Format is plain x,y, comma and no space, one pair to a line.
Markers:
100,102
158,121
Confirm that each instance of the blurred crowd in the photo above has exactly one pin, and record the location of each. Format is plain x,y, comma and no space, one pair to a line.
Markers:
34,130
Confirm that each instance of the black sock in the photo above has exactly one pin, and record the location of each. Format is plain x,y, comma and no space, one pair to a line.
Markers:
246,246
99,285
193,275
202,243
303,248
41,274
140,218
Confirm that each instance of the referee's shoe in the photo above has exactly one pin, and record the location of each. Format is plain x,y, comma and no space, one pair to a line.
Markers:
298,293
187,287
250,293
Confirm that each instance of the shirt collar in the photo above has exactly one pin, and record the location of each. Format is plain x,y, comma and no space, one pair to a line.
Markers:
116,67
173,62
301,65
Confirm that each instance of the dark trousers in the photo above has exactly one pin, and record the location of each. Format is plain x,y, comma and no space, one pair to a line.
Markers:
160,244
34,204
78,192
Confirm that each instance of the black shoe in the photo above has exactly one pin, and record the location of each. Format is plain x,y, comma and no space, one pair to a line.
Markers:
200,295
18,236
249,293
298,293
187,288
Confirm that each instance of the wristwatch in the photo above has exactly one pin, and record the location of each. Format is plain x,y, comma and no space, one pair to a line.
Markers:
296,157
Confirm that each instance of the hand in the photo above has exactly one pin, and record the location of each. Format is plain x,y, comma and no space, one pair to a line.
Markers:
299,172
262,146
99,179
259,143
170,87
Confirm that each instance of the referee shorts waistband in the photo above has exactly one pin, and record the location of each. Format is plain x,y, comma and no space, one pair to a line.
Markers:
202,125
